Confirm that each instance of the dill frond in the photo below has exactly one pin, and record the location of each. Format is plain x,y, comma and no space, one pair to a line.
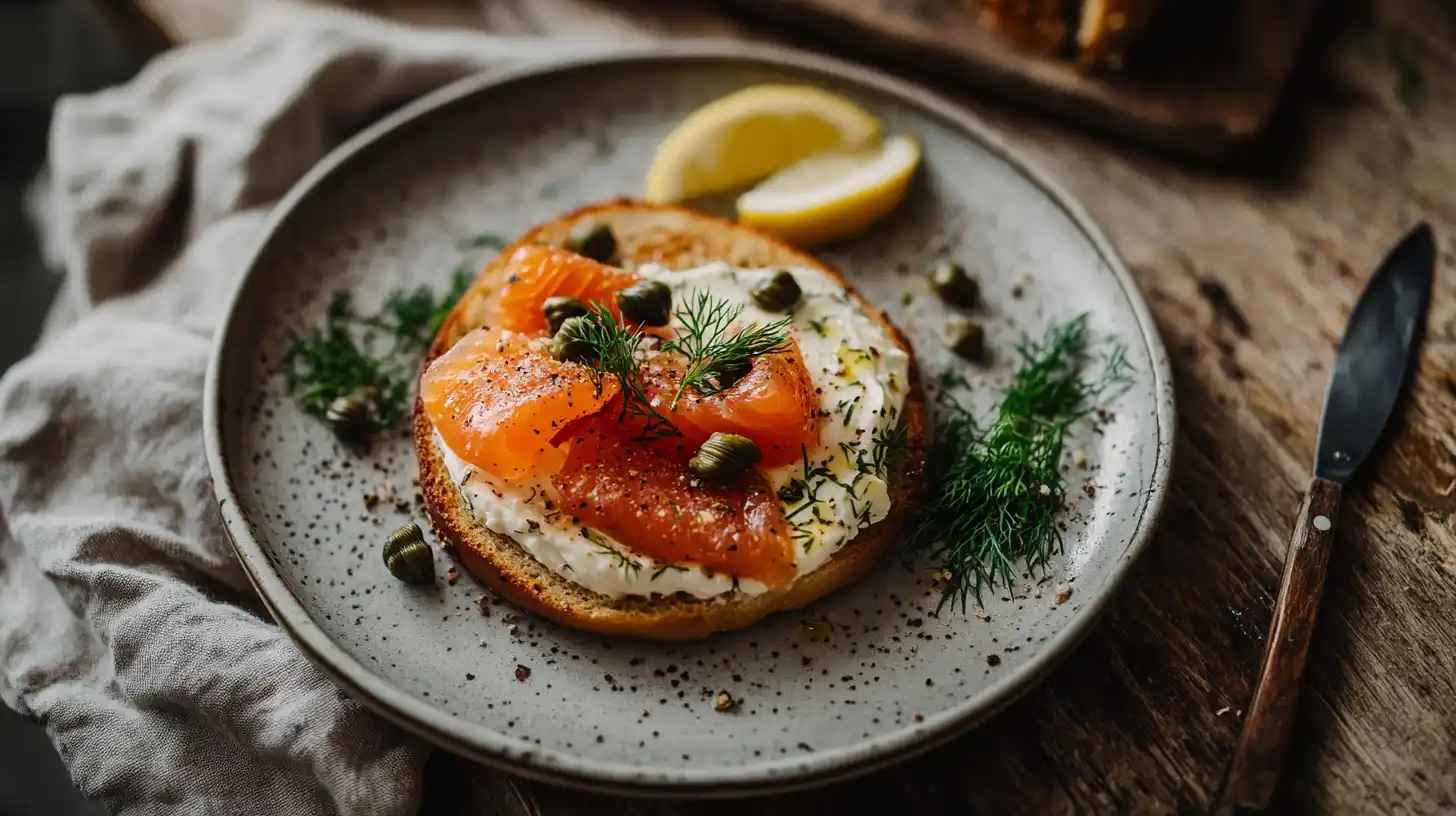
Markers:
716,358
371,355
999,489
615,353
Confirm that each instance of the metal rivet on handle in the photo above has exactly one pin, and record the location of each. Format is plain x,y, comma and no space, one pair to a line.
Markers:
1322,523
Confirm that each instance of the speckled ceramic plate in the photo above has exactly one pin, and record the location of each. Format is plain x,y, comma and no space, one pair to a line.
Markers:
499,153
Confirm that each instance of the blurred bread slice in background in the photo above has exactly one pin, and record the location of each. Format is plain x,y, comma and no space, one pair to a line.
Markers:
1107,28
1044,26
1096,33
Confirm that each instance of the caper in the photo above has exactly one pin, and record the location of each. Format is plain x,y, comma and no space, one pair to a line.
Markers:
792,492
351,416
592,239
408,557
724,456
950,281
777,293
966,337
558,308
647,302
568,345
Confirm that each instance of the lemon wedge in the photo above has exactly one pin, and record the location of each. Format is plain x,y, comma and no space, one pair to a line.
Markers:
832,195
750,134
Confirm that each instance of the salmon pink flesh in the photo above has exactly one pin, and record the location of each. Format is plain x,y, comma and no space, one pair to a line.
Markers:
535,273
774,404
500,401
659,509
503,404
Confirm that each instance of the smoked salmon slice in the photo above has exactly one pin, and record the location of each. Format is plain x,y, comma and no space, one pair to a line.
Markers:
503,404
535,273
500,401
659,509
774,404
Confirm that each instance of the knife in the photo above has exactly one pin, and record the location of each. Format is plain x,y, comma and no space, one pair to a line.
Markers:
1377,354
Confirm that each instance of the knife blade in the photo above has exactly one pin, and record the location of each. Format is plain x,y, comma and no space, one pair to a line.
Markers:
1372,368
1375,357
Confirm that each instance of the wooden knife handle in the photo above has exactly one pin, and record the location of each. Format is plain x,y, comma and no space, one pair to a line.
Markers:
1259,752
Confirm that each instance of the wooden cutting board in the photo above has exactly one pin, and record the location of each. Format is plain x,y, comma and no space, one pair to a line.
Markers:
1206,82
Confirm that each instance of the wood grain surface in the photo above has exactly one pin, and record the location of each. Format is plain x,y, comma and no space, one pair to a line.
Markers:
1207,82
1251,276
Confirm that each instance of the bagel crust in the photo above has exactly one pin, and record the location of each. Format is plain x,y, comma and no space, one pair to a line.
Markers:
676,238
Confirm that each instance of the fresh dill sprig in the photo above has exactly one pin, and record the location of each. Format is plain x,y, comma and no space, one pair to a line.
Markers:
369,356
343,357
717,358
414,318
1000,486
372,356
615,353
948,379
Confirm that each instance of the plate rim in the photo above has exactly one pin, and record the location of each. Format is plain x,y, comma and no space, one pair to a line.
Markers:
563,768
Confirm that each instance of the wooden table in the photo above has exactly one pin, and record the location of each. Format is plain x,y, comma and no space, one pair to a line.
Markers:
1251,277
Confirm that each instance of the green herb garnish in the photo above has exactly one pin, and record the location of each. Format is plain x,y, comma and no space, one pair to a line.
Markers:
888,449
620,560
416,317
1410,83
717,358
614,352
484,240
807,489
371,357
950,378
1000,487
660,571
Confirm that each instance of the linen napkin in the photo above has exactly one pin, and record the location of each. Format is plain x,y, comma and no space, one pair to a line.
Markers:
126,625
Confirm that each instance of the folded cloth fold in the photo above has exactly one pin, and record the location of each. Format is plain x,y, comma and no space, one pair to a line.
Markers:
126,624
